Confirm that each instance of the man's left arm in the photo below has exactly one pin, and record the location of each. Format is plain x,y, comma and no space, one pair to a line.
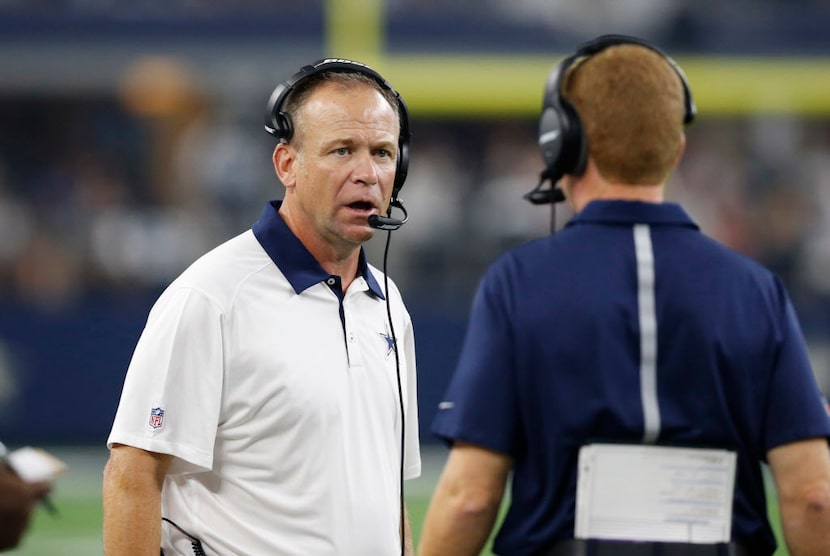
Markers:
409,549
802,479
466,502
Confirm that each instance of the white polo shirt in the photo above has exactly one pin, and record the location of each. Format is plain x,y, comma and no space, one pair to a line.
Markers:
278,395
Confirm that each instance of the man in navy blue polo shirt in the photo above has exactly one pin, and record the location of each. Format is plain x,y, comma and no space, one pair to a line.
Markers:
628,353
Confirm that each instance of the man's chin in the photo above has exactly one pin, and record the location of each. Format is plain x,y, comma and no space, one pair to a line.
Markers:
359,233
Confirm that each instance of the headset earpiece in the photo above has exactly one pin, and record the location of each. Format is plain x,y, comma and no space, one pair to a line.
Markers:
561,138
281,126
278,123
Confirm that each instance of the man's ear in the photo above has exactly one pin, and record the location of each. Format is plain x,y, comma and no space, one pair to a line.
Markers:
285,160
681,148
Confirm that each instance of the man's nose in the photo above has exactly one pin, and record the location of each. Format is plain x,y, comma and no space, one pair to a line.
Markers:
366,169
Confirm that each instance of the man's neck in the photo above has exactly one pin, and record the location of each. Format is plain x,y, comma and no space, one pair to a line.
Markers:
342,262
592,186
603,190
644,193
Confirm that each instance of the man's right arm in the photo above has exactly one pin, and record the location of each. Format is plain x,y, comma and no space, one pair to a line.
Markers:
132,501
802,480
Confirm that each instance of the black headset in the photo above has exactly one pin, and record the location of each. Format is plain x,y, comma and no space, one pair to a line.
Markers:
561,134
278,123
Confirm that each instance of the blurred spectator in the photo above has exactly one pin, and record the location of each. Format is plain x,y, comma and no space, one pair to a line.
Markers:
502,218
16,229
124,191
436,185
595,17
91,216
816,256
713,182
219,158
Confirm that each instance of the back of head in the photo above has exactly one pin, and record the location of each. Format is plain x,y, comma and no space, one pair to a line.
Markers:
631,103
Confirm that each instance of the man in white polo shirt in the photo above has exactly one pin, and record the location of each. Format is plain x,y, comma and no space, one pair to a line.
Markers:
270,405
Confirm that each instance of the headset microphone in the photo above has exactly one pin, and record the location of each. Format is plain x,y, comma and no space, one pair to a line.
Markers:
541,196
550,196
386,222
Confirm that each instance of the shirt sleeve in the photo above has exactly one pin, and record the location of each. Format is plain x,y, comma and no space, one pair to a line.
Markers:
479,405
172,391
796,409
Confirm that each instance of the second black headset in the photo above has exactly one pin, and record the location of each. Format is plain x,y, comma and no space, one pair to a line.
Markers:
562,138
278,123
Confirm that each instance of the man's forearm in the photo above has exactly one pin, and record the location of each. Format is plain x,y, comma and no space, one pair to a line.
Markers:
451,531
806,522
802,479
132,515
466,502
409,548
131,528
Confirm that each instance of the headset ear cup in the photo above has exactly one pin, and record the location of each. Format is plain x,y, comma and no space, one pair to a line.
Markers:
562,141
402,168
561,138
285,129
273,112
550,136
404,138
574,154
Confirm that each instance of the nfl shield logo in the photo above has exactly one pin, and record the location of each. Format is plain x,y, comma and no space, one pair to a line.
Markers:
156,417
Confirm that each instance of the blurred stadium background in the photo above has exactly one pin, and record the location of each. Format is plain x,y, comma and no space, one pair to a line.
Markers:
131,142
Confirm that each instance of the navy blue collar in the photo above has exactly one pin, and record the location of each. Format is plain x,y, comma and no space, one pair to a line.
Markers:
300,268
633,212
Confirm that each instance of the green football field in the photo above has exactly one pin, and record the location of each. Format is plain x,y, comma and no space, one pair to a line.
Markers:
76,529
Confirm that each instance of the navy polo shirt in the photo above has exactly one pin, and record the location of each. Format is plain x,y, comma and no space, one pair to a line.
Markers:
628,325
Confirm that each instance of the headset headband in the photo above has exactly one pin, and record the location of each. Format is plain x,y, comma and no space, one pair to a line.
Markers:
597,45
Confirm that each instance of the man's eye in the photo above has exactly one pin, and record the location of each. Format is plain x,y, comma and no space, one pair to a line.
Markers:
341,151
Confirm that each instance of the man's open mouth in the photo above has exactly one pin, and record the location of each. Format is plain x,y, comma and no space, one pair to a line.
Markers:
361,206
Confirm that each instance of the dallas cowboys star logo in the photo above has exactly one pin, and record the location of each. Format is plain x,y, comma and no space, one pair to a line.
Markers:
390,341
